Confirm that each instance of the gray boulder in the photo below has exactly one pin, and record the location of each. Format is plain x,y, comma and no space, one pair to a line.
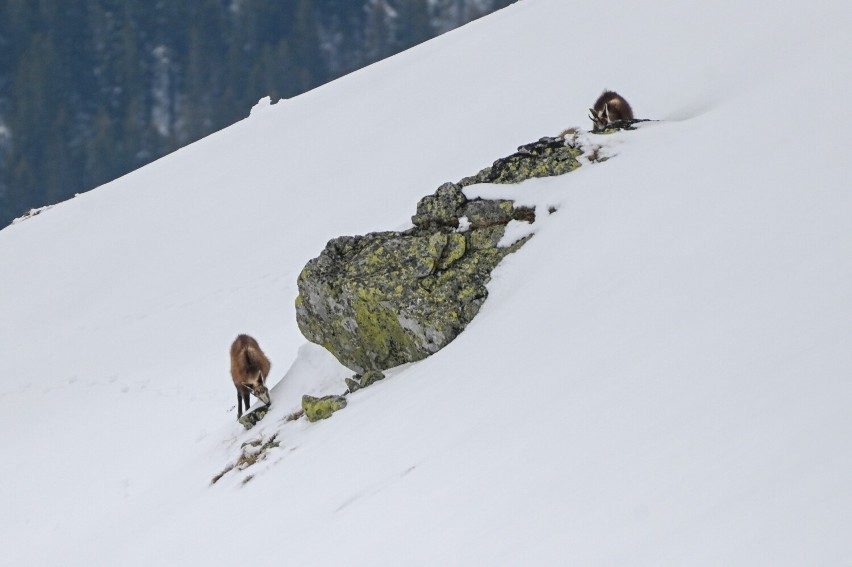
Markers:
384,299
388,298
545,158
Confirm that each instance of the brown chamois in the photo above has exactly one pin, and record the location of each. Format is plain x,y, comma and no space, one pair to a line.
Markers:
249,369
610,107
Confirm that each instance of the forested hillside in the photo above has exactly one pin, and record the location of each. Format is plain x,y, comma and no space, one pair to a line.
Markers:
92,89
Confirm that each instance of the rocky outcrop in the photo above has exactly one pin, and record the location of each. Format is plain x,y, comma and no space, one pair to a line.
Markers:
388,298
545,158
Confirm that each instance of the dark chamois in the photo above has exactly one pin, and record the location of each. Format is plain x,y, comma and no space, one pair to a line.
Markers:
610,107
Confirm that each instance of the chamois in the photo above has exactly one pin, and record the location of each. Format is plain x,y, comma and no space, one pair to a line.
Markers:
249,369
610,107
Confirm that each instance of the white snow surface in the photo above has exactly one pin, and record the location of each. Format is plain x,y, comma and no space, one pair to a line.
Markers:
659,377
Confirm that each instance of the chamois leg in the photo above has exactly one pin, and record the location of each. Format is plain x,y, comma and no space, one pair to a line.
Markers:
246,398
239,403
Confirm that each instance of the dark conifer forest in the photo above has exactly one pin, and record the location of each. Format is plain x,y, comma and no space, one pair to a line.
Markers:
93,89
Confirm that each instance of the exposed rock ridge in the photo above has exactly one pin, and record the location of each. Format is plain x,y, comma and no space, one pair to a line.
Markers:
387,298
544,158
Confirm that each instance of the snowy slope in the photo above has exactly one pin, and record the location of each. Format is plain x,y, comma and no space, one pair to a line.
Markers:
659,377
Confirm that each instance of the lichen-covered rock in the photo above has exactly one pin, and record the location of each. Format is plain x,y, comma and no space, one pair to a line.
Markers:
371,377
360,381
384,299
441,208
482,213
322,408
545,158
388,298
392,298
250,419
352,385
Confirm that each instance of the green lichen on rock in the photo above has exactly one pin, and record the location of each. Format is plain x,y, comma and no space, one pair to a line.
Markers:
440,209
482,213
384,299
322,408
360,381
371,377
545,158
388,298
250,419
454,248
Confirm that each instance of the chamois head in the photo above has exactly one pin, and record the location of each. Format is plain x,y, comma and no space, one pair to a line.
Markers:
258,388
600,118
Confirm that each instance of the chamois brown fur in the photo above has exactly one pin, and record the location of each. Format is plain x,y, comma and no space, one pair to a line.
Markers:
249,369
610,107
